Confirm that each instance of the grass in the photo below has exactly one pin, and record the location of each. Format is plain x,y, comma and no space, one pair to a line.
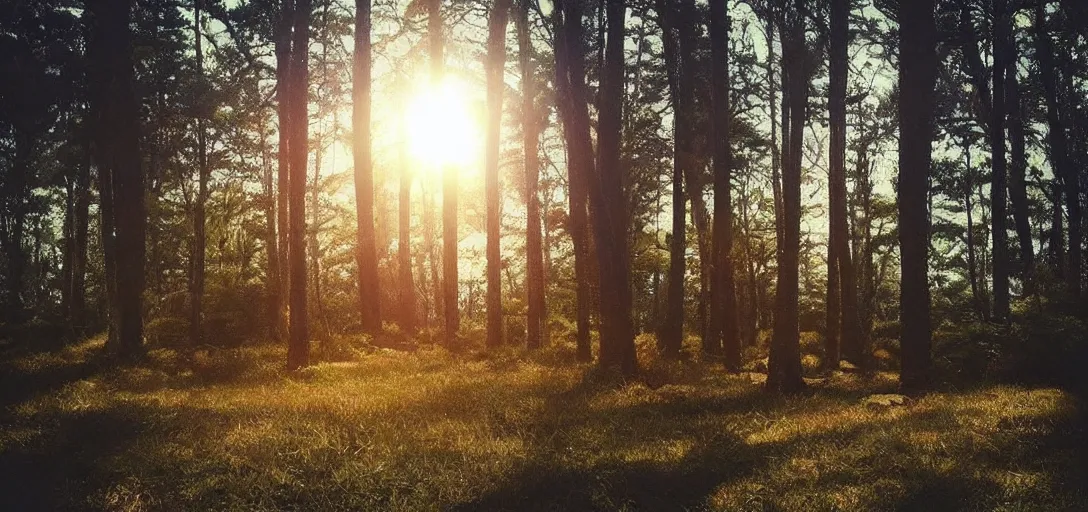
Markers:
427,431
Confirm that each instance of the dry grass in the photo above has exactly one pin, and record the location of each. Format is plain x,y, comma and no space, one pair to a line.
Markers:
426,431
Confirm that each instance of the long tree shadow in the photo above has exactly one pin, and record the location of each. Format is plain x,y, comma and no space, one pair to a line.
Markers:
22,386
550,480
68,461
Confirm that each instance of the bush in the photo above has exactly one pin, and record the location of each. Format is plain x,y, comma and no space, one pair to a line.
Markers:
1036,348
167,331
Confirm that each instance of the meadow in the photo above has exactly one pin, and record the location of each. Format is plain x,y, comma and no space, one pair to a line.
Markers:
379,429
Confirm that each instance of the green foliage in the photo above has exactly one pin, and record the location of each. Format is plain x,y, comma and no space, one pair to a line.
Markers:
1038,348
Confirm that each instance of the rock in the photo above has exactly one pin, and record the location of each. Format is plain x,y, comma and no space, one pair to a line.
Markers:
886,400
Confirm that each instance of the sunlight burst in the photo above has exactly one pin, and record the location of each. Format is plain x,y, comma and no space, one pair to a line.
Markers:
440,126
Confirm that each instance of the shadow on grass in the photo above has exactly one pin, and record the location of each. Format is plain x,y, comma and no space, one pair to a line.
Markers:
69,461
593,444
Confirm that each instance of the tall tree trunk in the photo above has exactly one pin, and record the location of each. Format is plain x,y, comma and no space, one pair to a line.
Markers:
429,232
850,321
496,69
579,163
1018,189
784,144
283,159
365,256
534,248
107,233
832,324
672,330
298,349
607,200
450,283
999,177
1059,151
917,80
407,287
723,300
972,257
784,365
196,266
271,243
67,249
111,42
81,217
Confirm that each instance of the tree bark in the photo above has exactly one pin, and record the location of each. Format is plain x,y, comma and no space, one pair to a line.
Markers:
724,325
271,244
283,159
579,161
1059,152
672,330
81,217
917,80
450,283
298,349
196,269
1018,189
850,327
784,365
534,247
999,177
496,69
365,256
406,290
608,203
118,139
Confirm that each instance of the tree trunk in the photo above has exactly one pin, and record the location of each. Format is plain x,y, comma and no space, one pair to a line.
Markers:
534,248
450,283
579,164
298,349
784,365
407,288
271,244
196,267
283,159
1018,189
917,80
972,257
1059,152
496,69
119,136
429,232
316,299
365,256
850,321
671,336
607,199
724,328
81,217
784,144
999,177
67,249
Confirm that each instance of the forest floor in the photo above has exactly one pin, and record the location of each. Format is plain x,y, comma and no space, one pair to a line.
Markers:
426,430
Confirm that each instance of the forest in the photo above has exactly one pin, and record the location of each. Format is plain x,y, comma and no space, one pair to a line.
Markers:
543,254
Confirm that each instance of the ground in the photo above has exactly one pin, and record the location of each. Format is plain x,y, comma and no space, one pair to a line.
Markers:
392,430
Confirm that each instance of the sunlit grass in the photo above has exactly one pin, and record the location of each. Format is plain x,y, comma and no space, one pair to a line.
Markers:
427,430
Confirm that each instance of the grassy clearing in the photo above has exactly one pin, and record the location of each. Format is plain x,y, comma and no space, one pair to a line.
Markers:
424,431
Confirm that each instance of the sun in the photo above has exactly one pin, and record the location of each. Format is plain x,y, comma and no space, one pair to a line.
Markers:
440,126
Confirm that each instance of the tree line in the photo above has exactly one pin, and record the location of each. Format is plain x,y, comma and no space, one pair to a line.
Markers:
866,169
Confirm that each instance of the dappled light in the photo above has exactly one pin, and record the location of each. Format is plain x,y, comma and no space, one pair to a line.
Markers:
518,255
